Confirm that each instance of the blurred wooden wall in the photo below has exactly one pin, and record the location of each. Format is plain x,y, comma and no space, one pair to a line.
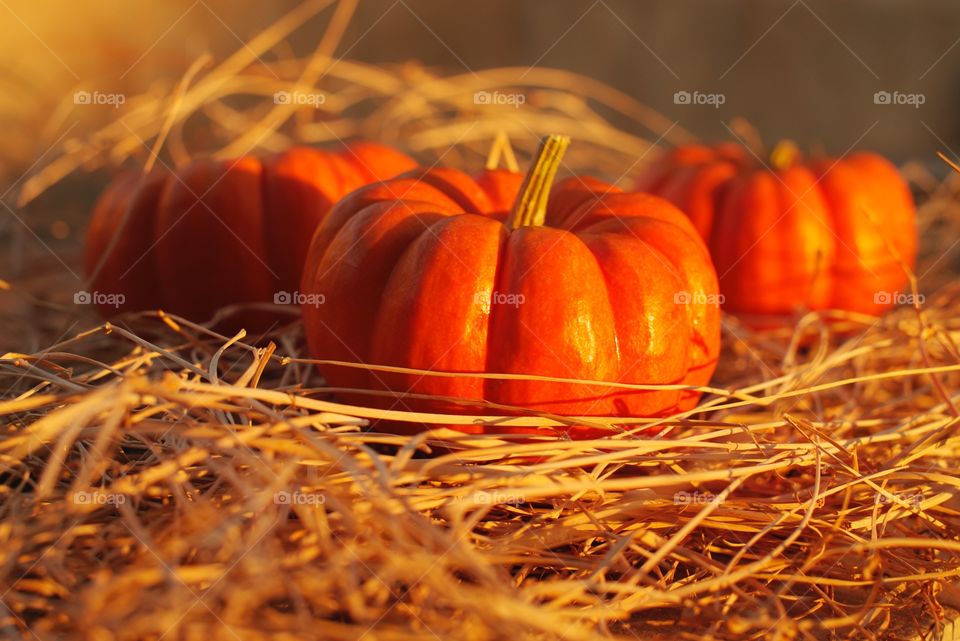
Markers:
805,69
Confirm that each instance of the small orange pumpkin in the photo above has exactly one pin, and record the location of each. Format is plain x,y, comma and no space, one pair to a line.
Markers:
432,271
826,233
216,233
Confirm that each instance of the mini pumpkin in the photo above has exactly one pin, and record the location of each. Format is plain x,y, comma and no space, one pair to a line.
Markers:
433,271
221,232
824,233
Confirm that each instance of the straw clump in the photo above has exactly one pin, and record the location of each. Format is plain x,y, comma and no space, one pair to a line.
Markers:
207,489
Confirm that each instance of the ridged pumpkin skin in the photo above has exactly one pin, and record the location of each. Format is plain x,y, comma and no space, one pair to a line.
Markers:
422,272
795,235
217,233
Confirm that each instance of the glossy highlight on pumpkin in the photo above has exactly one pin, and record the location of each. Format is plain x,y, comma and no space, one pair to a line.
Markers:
217,233
424,272
827,233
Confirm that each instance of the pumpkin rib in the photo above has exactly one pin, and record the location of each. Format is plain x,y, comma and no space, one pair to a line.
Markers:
697,191
275,259
398,190
117,221
684,253
457,259
191,239
570,194
455,185
805,206
370,242
762,265
637,299
290,195
499,285
143,269
859,261
375,162
561,327
501,187
105,221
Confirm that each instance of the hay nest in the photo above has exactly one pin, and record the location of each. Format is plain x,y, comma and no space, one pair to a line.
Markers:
163,481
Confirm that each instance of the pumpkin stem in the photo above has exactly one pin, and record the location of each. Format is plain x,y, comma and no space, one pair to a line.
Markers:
784,154
530,208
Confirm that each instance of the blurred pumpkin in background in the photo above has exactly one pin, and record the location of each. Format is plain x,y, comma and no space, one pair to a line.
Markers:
221,232
593,284
825,233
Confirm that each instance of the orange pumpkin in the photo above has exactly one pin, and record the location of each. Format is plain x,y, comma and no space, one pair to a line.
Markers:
825,233
217,233
432,271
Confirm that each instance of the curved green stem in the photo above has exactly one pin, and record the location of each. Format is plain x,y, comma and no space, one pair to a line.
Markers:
530,208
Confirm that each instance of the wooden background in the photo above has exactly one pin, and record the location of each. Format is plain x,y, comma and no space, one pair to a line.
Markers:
805,69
